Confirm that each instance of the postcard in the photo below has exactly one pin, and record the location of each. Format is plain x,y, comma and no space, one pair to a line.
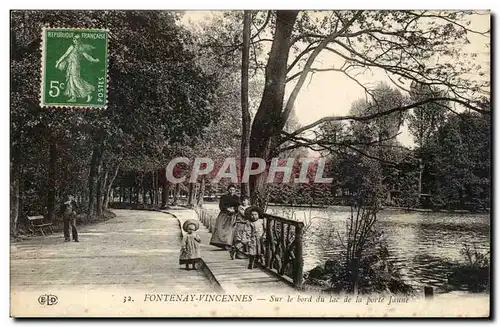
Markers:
250,163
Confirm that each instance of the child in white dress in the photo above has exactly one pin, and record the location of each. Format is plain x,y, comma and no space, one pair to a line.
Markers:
190,250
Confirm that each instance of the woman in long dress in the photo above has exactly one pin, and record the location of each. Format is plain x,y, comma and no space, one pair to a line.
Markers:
76,87
222,235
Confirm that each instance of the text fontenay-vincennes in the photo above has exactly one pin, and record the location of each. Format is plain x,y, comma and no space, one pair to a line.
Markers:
162,297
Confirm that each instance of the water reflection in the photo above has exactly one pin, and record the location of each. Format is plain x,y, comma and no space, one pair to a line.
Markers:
423,245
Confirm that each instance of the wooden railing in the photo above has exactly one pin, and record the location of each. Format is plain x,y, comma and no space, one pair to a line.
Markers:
282,250
207,217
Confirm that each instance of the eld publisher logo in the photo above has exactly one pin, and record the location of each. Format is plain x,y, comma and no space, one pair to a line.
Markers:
47,299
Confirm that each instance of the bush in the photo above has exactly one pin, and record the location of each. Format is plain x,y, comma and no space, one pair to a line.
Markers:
364,261
375,274
474,275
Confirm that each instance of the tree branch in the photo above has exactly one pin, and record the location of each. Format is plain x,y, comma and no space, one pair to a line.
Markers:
234,47
382,113
260,29
308,49
404,72
485,34
307,67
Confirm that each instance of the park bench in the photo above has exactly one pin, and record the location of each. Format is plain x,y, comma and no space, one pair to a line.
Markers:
37,223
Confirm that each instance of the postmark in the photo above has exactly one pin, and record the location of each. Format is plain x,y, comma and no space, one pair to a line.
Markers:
74,68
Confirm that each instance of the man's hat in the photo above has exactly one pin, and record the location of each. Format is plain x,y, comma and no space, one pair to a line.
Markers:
249,210
188,222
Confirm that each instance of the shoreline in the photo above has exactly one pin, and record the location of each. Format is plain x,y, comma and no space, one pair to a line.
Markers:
389,208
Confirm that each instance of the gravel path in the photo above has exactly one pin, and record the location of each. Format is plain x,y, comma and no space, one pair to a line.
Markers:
135,250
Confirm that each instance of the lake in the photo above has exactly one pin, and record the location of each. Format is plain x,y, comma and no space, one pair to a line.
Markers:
423,245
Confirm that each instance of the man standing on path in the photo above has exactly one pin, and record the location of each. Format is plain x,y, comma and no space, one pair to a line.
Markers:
69,217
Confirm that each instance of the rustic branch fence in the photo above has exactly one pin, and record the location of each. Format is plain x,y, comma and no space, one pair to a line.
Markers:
282,248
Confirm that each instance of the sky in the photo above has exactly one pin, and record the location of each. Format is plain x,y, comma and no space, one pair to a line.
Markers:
332,93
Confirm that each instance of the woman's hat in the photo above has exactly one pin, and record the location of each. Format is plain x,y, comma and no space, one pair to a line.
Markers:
248,212
188,222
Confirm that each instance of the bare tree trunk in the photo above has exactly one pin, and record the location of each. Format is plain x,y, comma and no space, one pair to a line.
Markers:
109,189
155,187
272,115
143,184
104,197
191,194
99,187
15,195
165,194
51,194
201,193
151,196
245,113
91,186
157,193
111,195
93,174
151,187
16,201
268,119
195,193
176,194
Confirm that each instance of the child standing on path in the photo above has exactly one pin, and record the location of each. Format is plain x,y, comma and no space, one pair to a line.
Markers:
241,230
254,214
190,250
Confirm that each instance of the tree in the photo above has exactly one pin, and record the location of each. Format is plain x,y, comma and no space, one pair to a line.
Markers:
402,44
458,172
158,95
423,121
245,113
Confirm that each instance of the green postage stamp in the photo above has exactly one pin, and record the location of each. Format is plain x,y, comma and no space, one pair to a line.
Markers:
74,68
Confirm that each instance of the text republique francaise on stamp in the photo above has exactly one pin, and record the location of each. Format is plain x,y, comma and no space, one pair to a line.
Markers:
74,68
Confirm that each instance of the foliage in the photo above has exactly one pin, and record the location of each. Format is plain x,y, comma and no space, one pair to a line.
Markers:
366,158
475,273
305,193
457,163
424,120
290,213
158,97
474,258
363,264
409,47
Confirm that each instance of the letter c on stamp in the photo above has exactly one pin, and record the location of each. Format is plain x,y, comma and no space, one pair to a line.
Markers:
74,68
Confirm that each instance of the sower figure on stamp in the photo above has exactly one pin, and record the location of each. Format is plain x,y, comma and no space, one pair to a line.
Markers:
76,87
69,218
190,250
